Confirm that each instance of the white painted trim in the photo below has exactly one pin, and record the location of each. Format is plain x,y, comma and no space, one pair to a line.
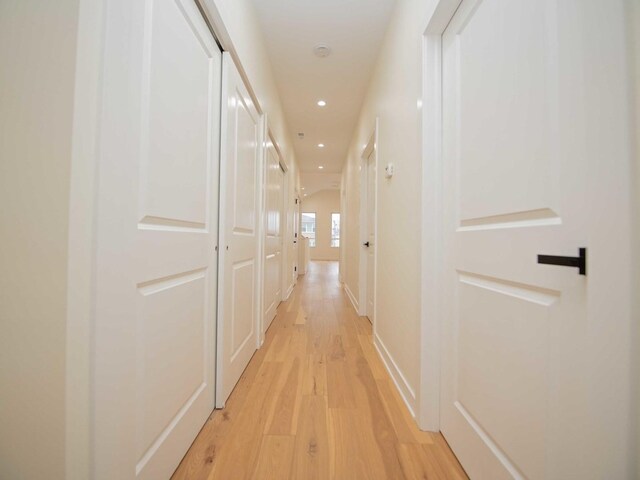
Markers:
262,156
263,130
286,230
406,392
352,297
428,416
362,264
289,292
222,254
83,192
634,26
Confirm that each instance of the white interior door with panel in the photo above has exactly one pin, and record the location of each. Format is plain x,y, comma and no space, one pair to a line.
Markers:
371,234
535,366
156,261
369,223
274,224
239,216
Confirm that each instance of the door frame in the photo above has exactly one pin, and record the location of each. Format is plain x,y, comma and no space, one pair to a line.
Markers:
431,267
370,149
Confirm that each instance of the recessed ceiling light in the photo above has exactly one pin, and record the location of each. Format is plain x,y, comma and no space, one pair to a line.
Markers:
322,50
321,145
321,103
320,167
303,188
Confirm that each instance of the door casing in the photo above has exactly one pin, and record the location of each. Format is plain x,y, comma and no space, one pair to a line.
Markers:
428,414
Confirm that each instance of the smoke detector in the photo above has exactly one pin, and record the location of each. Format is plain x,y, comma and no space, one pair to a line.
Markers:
322,50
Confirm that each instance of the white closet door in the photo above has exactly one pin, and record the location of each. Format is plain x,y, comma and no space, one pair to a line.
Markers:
536,362
157,233
240,194
274,224
371,235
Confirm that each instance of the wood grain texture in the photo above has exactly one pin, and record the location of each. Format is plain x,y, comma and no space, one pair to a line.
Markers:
316,402
274,460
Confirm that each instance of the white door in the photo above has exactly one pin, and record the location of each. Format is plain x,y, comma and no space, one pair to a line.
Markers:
297,240
274,223
157,232
371,233
535,367
240,194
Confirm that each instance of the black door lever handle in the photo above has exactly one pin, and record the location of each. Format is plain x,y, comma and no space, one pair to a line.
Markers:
366,244
579,262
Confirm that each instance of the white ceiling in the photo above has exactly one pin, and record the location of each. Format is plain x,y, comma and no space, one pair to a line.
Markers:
354,30
316,182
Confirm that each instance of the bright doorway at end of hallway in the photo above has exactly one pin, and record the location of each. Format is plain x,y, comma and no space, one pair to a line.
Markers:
320,224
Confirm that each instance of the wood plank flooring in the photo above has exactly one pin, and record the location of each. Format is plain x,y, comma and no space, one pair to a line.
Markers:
316,402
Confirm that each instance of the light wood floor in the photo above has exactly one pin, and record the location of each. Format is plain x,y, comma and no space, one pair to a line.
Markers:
316,402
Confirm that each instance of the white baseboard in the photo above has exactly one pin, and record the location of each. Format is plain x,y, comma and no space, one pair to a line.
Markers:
406,392
289,292
352,297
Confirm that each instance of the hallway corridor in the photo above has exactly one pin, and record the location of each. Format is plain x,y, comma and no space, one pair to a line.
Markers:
316,403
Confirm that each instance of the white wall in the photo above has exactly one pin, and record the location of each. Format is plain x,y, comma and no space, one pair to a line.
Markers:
634,26
323,203
393,97
37,58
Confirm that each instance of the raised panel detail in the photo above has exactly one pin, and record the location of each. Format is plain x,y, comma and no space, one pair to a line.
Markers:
176,120
245,169
503,330
274,194
533,218
242,325
507,109
272,270
171,357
